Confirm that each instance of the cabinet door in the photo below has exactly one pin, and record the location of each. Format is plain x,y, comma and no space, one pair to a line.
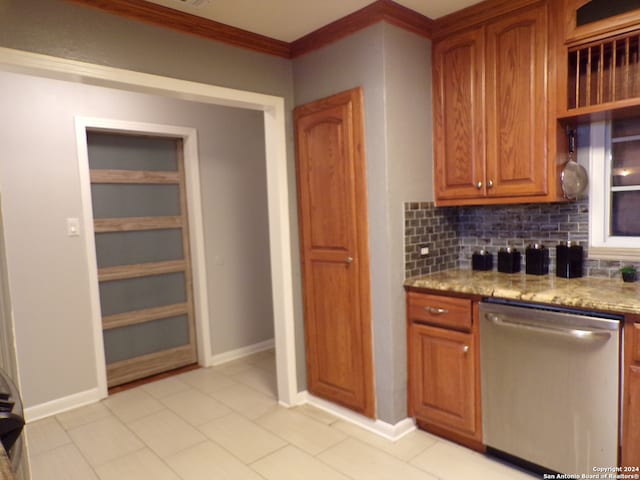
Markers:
631,404
516,98
442,377
458,112
631,438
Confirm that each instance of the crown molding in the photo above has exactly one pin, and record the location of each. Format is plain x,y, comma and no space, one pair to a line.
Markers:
379,11
186,23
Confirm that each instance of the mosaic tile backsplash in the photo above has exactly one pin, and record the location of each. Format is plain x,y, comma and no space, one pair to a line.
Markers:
436,228
454,233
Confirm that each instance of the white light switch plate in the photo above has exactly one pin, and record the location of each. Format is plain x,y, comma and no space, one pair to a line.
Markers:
73,227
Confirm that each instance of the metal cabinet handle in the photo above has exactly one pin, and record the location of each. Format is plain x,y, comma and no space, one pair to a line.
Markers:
436,311
349,260
479,185
465,349
490,184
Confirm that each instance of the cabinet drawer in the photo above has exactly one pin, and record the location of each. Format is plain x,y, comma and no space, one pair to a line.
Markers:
635,346
439,310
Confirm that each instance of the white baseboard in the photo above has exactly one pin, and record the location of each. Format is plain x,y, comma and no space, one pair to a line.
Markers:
87,397
384,429
241,352
60,405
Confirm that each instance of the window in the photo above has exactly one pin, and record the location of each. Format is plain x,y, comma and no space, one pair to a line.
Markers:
614,201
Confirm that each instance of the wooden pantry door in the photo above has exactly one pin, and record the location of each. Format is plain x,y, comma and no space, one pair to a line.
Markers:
142,250
335,250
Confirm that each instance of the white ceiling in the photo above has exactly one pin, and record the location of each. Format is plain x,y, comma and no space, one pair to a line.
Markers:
289,20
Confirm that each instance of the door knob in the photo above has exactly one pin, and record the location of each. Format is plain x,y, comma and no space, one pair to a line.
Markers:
479,185
465,349
349,260
490,184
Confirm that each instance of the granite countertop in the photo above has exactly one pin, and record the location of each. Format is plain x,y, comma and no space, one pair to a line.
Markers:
590,293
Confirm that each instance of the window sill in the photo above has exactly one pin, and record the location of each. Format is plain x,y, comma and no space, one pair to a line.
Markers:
614,253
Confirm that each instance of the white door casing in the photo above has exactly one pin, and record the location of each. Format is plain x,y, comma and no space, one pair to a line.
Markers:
189,138
277,190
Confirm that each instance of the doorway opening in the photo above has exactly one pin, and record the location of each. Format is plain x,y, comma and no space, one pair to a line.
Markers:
277,188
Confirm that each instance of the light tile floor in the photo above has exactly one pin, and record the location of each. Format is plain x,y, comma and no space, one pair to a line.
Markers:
224,423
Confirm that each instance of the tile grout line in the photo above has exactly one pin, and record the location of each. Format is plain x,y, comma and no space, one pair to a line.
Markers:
86,459
287,444
329,421
233,454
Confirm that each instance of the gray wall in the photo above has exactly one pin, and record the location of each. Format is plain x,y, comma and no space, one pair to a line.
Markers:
48,271
409,167
63,29
68,30
355,61
393,67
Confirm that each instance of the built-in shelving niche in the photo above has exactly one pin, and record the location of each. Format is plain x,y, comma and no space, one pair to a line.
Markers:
597,10
604,71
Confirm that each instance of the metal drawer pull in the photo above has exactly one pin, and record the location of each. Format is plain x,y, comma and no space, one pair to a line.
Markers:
580,334
349,260
465,349
436,311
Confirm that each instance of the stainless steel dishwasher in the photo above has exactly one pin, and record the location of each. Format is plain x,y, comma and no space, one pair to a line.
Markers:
550,385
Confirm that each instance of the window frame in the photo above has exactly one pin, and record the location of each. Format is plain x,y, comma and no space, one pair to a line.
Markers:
603,245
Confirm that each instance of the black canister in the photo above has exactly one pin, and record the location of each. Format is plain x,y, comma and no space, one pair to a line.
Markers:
482,260
537,258
569,260
508,260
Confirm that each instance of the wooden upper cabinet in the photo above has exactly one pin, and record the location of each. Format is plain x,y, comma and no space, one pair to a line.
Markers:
599,62
459,115
491,110
517,104
596,19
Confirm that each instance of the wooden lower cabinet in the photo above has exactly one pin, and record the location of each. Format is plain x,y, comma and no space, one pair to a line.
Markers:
443,370
631,403
444,386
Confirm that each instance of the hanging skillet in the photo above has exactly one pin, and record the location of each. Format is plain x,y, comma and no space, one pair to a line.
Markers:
574,177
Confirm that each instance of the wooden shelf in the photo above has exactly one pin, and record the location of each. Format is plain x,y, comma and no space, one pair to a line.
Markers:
134,176
123,272
604,72
598,64
130,224
142,316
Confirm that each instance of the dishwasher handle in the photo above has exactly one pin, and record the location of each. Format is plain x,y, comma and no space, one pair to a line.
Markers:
576,333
